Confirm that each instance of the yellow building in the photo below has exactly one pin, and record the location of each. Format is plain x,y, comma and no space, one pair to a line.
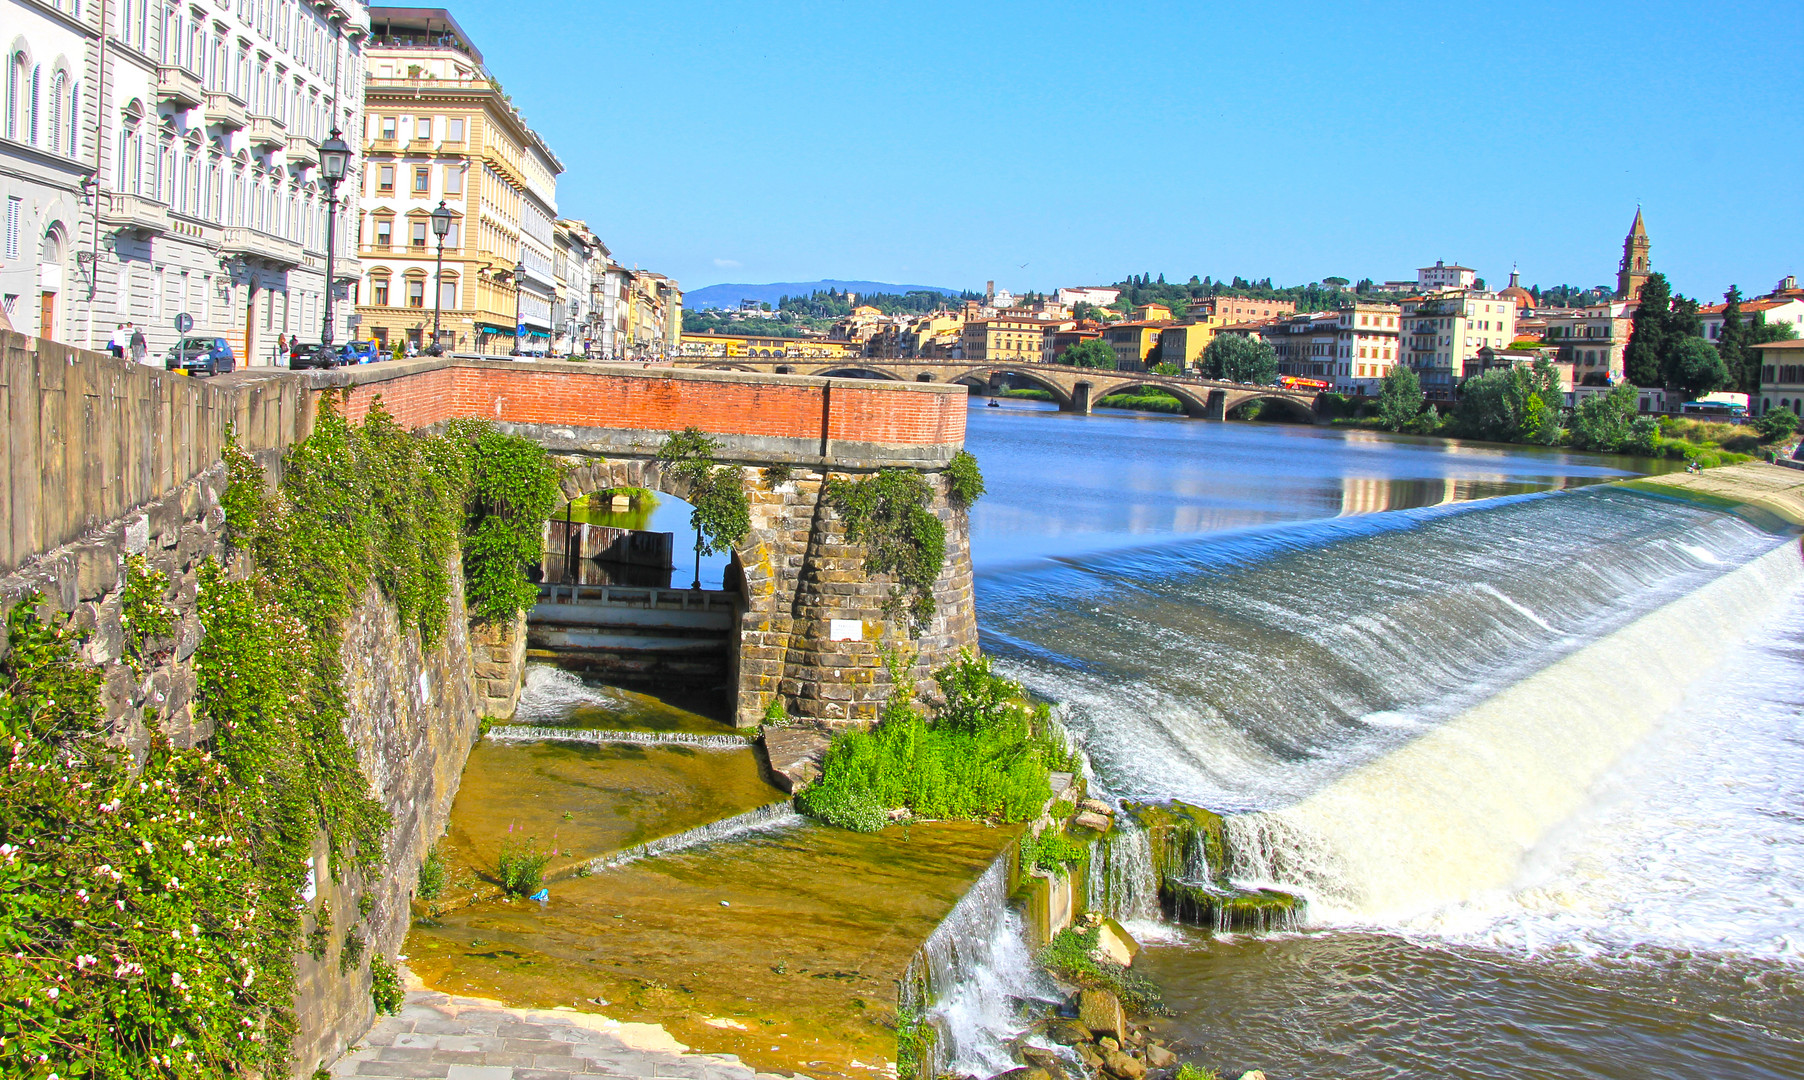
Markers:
439,130
1133,342
712,346
1183,345
1152,313
1020,340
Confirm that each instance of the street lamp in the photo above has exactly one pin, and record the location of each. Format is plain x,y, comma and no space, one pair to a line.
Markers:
519,287
441,224
334,159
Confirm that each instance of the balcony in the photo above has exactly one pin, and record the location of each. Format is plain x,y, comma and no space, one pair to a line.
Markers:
180,87
258,245
268,132
227,111
302,150
130,212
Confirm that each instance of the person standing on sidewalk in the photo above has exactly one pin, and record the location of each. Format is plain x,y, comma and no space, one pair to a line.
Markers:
140,348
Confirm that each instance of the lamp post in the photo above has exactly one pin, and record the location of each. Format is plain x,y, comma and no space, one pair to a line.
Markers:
519,287
334,160
441,224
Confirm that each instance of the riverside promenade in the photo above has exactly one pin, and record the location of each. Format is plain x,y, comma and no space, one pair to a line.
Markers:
439,1037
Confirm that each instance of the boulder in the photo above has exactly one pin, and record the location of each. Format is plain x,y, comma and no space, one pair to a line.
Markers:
1108,1044
1097,806
1115,944
1091,1058
1100,1012
1025,1072
1045,1060
1252,1074
1068,1033
795,756
1159,1057
1123,1067
1091,820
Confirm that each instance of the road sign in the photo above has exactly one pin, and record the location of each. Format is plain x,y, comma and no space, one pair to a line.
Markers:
353,321
184,323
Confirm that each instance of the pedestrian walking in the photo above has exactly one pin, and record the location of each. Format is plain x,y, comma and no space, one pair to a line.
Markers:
140,348
283,349
116,343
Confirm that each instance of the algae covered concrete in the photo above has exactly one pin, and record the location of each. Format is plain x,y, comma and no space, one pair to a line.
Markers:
781,947
1772,488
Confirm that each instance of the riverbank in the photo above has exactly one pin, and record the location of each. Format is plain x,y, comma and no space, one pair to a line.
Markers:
1772,488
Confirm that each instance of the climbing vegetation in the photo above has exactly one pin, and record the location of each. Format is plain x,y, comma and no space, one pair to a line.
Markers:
1071,955
990,763
720,513
964,480
513,489
890,514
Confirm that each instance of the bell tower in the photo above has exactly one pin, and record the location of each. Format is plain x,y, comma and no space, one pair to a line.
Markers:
1633,272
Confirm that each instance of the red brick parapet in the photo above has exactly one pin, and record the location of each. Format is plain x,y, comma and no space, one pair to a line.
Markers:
626,409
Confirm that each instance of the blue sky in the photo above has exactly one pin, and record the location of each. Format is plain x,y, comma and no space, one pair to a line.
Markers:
951,143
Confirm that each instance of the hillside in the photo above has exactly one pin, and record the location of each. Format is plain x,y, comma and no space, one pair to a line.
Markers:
729,296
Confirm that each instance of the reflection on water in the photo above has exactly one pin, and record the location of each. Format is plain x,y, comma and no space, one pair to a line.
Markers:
1061,485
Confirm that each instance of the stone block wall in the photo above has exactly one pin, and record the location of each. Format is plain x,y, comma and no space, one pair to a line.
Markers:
799,575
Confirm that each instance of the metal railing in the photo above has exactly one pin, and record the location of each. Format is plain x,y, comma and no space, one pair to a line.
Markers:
641,597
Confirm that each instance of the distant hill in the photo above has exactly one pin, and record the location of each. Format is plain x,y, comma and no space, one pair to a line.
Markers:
729,296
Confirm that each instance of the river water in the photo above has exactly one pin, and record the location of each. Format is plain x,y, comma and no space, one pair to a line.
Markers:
1530,747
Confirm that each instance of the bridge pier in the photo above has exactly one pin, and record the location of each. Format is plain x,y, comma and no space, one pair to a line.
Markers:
811,627
1080,400
1218,406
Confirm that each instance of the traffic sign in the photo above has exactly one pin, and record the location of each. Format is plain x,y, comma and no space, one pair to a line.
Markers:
184,323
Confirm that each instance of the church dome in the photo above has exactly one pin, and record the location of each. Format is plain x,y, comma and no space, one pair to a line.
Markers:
1520,295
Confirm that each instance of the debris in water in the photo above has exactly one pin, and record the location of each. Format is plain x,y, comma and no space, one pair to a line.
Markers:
542,894
723,903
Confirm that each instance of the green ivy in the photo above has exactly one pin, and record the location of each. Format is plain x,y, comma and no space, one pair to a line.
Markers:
513,489
140,936
385,986
890,514
964,480
720,513
143,616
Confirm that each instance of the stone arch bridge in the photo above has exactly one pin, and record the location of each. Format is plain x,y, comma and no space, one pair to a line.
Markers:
1074,389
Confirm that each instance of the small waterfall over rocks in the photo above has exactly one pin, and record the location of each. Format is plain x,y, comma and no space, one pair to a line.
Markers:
1123,883
534,733
968,980
779,815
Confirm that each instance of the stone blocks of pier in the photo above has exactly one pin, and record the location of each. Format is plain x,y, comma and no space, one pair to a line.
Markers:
801,580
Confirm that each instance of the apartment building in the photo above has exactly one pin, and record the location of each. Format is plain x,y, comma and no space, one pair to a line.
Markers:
1236,309
1781,378
653,325
1018,339
1183,344
1777,308
1061,336
1367,348
1133,342
197,128
1440,334
1592,340
1308,345
1444,276
440,132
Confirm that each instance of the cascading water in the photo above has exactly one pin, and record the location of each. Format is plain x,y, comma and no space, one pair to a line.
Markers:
549,694
969,979
779,815
1123,883
535,733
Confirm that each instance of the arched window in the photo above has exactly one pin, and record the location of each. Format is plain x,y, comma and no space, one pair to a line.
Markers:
379,288
31,125
75,118
57,82
15,93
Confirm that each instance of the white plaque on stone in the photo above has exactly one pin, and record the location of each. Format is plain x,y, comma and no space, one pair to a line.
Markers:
845,630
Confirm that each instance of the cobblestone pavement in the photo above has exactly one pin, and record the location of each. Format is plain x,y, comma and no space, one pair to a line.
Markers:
439,1037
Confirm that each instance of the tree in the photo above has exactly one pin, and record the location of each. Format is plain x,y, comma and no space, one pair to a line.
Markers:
1695,368
1518,404
1648,333
1777,423
1400,402
1089,353
1765,333
1744,366
720,513
1240,359
1606,421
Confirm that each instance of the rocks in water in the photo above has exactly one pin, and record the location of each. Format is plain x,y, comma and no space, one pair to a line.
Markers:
795,756
1068,1033
1025,1072
1097,806
1092,1058
1158,1057
1108,1045
1229,910
1088,819
1115,944
1252,1074
1064,786
1100,1012
1122,1066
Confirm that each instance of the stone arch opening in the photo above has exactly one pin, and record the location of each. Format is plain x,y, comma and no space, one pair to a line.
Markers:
1272,407
855,372
1193,403
1028,376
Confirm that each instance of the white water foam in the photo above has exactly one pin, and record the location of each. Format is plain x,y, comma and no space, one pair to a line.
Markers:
530,733
778,815
1456,814
549,694
1694,842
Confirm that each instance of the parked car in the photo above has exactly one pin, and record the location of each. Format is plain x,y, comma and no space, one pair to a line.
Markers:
360,352
311,354
195,355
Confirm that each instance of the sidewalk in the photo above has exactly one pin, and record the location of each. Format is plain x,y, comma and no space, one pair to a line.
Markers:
439,1037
